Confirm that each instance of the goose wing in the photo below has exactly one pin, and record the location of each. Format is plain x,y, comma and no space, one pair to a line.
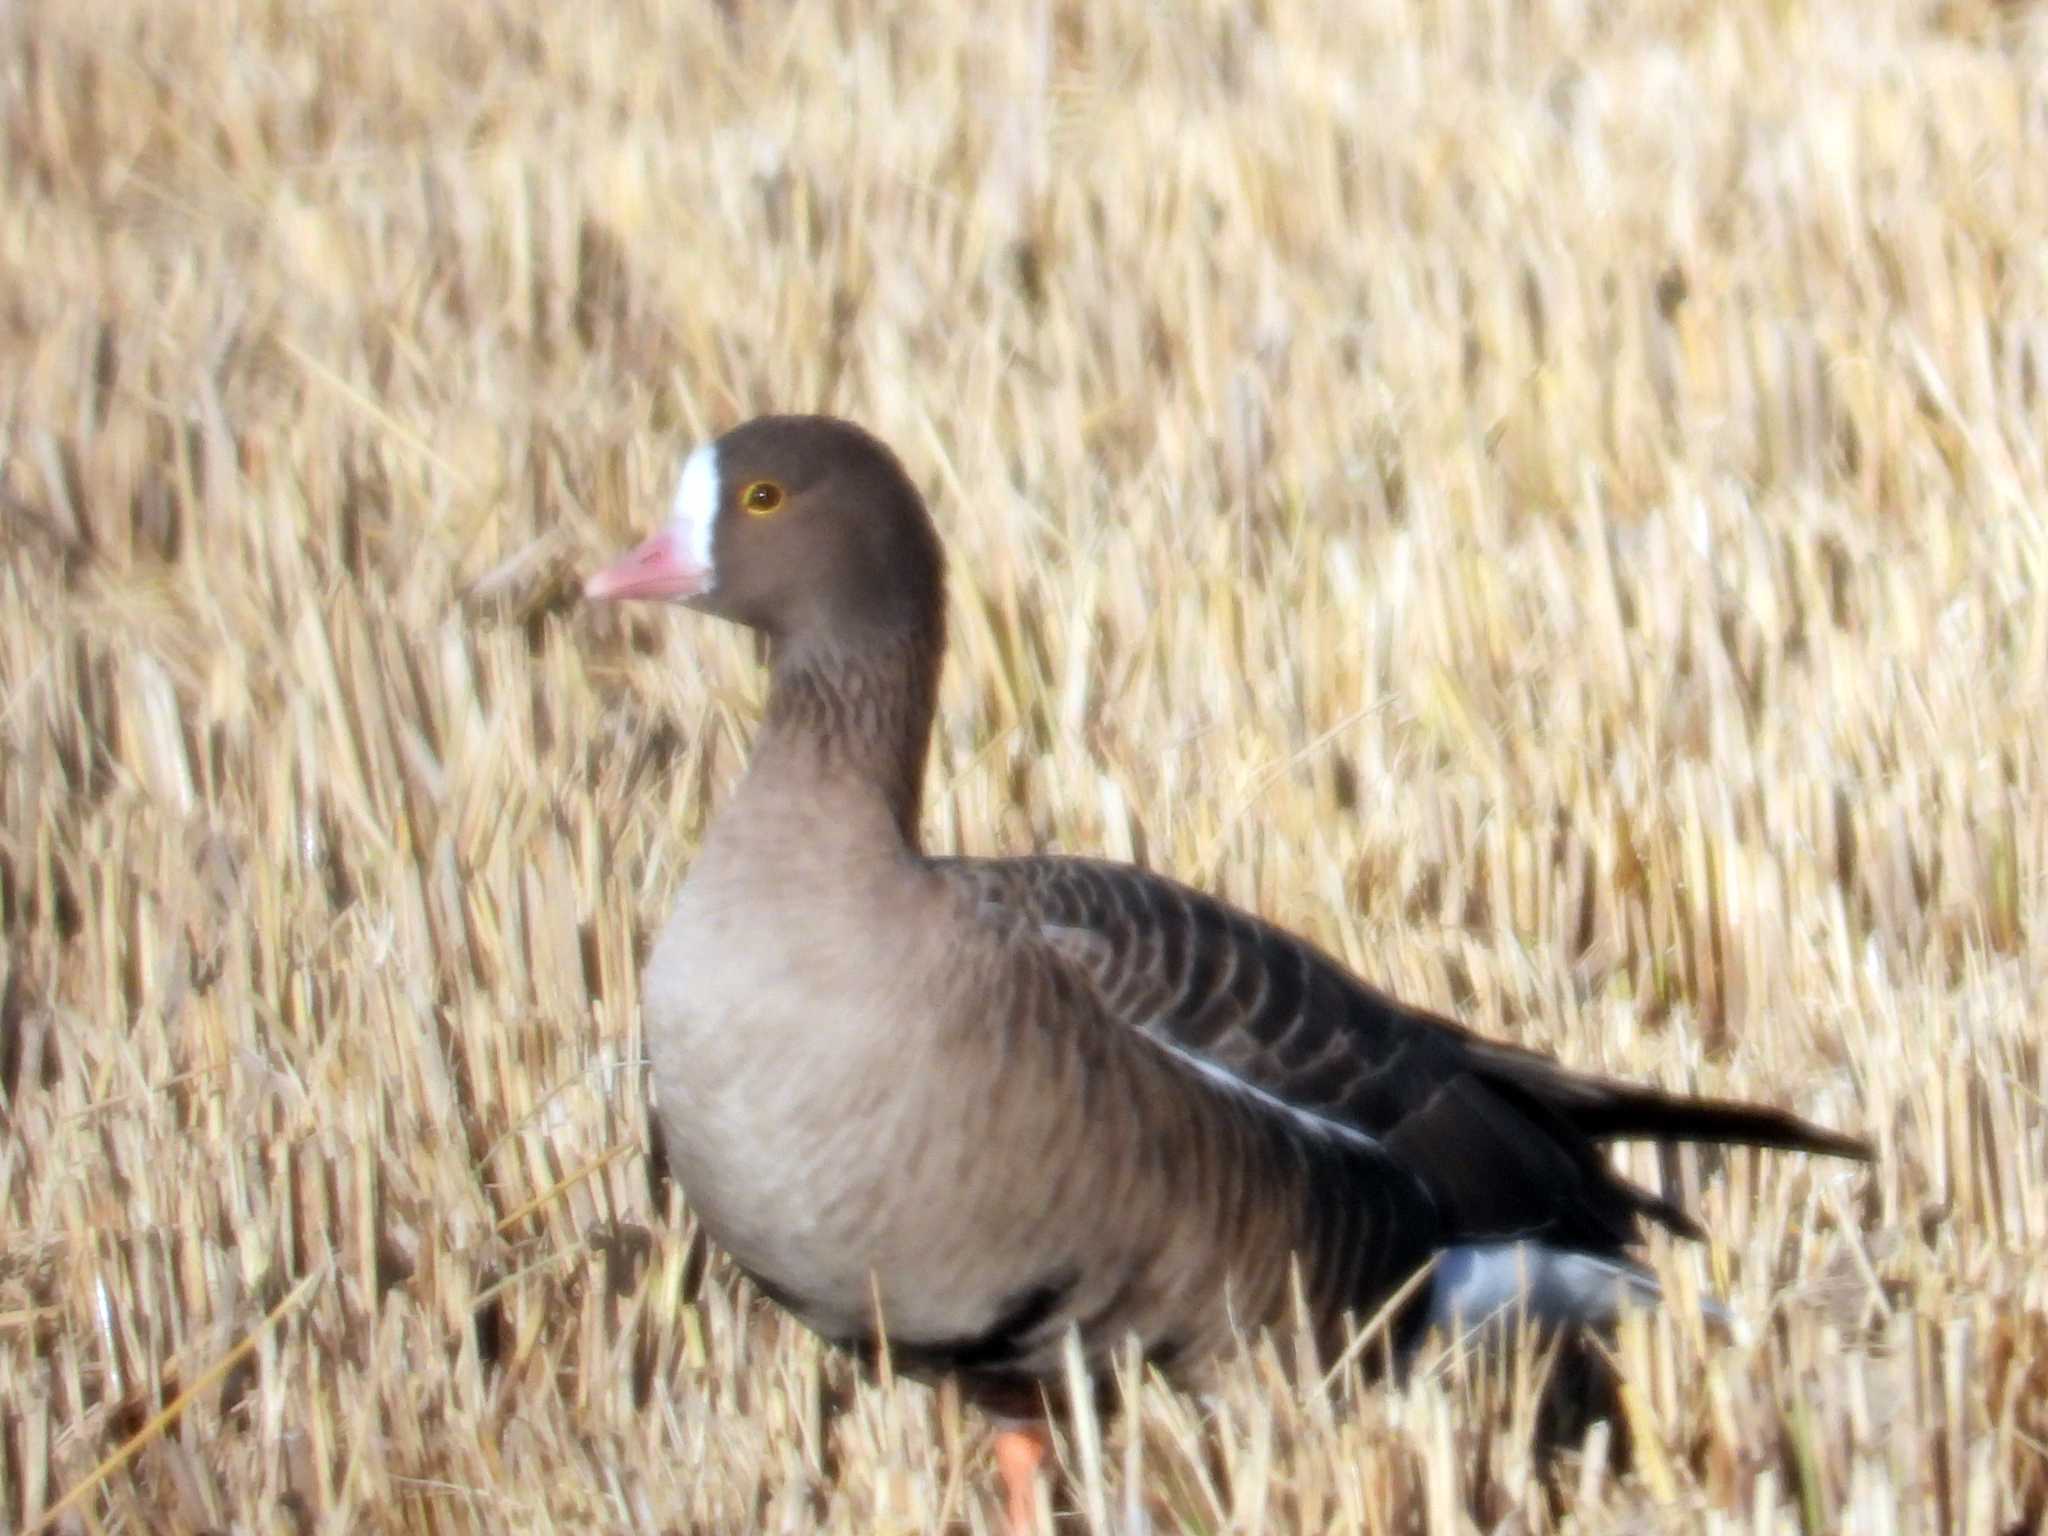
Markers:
1507,1141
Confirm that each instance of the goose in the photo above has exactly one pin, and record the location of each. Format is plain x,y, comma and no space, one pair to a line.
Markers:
963,1107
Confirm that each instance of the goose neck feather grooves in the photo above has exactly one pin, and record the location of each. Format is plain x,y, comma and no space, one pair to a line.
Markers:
856,708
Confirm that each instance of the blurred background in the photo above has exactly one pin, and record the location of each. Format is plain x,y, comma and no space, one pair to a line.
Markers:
1545,498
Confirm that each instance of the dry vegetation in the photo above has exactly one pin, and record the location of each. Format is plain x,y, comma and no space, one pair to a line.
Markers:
1545,498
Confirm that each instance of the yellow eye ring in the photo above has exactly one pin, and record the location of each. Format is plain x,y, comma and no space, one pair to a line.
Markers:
762,497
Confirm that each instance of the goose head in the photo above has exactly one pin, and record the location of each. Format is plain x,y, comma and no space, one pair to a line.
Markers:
797,526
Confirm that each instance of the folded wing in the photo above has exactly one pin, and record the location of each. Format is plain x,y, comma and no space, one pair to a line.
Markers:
1507,1141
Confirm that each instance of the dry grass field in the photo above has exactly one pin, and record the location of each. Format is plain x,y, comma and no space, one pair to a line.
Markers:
1545,498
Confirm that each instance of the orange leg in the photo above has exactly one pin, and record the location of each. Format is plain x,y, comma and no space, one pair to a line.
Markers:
1019,1450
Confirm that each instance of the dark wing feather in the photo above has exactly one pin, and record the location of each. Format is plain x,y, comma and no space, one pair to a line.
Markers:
1507,1140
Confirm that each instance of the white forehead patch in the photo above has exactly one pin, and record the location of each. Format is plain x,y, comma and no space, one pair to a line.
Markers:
694,513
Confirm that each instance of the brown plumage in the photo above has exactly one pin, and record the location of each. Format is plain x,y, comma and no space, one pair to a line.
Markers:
997,1099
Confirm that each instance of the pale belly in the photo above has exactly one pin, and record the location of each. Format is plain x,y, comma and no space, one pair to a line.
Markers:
805,1138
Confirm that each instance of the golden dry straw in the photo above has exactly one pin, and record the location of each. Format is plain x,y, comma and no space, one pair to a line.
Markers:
1546,499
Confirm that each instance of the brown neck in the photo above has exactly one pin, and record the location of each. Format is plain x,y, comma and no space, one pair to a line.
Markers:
858,710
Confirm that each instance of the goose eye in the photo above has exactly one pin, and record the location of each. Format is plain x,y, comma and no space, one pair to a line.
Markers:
762,497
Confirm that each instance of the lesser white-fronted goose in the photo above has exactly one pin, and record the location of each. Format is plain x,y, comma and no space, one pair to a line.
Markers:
989,1100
